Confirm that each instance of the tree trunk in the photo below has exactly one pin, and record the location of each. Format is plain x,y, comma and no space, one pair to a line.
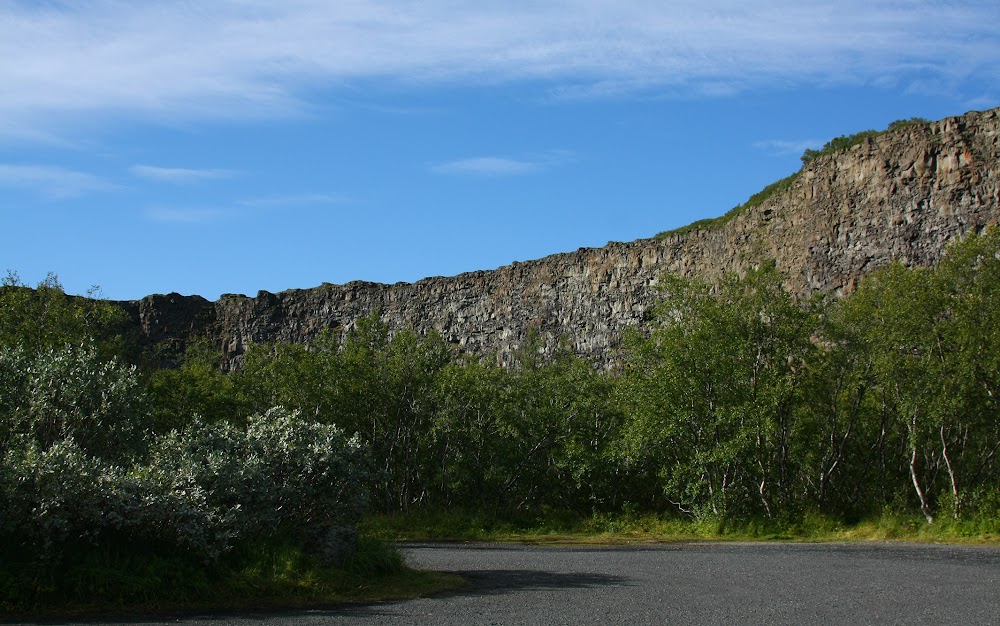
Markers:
924,508
951,474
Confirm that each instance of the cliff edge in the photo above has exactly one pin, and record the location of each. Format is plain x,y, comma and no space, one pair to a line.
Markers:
902,195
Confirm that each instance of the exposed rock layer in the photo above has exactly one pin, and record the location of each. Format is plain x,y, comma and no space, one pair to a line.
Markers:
902,195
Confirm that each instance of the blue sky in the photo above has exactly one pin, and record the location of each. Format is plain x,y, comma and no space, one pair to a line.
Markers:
229,147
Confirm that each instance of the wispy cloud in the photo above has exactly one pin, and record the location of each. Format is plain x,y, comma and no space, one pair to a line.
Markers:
293,200
187,215
486,166
503,166
177,59
248,208
784,147
180,175
982,102
51,183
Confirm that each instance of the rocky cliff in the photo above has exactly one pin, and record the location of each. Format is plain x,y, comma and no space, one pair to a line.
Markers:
901,195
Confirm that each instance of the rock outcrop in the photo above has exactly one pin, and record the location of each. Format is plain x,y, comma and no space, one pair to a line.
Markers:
902,195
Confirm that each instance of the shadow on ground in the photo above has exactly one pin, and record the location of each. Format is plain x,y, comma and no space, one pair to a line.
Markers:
479,583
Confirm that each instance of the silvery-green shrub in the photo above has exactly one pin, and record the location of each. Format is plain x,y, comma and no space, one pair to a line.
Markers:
214,463
201,490
281,474
318,469
72,393
54,494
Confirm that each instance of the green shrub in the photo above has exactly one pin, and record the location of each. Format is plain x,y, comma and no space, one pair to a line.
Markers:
279,475
72,393
45,317
80,474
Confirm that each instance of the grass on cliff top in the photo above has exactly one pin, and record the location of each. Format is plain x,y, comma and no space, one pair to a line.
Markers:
755,200
614,529
837,144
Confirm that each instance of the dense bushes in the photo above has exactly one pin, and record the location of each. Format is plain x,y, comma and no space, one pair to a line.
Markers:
929,345
711,394
736,402
886,399
440,431
280,476
72,393
83,473
44,318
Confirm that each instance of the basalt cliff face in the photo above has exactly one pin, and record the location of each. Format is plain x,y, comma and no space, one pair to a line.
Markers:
902,195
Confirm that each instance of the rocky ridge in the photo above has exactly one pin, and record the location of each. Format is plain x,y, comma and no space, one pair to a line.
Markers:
902,195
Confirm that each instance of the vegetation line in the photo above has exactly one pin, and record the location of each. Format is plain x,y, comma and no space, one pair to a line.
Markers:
836,144
739,412
624,529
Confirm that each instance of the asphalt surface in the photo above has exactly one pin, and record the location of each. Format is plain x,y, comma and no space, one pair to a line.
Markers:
685,583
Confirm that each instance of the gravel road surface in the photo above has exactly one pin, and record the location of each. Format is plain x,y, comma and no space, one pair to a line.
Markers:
685,583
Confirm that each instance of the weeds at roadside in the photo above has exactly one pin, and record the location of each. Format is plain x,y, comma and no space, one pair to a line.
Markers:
608,528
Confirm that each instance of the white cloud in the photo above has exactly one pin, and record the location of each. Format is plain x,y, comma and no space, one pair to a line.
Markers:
180,175
486,166
187,215
502,166
258,58
51,183
783,147
293,200
981,103
250,208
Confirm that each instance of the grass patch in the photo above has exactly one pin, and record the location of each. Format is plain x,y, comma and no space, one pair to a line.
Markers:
837,144
904,528
626,528
755,200
111,582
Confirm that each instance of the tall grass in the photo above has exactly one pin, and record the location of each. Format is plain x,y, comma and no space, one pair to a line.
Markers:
614,528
